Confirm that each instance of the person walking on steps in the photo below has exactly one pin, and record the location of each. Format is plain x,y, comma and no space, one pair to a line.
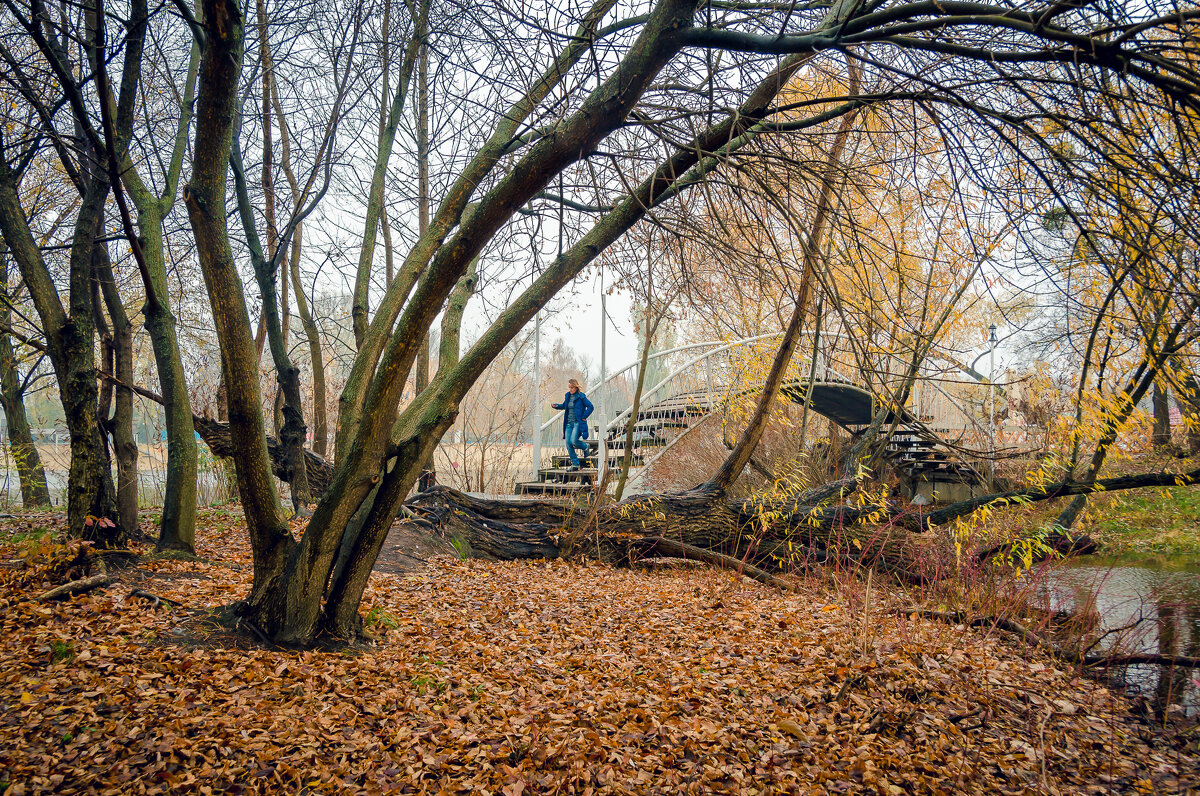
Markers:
576,408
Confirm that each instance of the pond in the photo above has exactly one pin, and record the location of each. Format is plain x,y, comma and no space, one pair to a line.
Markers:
1152,606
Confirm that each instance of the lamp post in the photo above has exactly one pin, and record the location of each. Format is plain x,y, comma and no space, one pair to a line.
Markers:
536,414
992,404
602,446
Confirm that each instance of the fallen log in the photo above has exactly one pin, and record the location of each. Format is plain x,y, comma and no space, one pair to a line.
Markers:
75,588
769,532
913,518
1064,544
763,533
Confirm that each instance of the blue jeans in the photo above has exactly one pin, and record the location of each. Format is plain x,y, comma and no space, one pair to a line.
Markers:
573,442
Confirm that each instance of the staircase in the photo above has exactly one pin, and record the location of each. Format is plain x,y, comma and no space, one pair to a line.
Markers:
920,459
656,427
701,376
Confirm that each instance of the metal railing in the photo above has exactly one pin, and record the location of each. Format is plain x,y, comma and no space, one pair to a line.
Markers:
690,381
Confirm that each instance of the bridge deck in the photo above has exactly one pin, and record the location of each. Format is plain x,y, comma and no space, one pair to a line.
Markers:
843,403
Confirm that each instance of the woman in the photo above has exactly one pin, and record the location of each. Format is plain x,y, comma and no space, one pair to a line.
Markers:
576,408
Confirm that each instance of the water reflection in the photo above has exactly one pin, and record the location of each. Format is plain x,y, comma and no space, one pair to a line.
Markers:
1149,606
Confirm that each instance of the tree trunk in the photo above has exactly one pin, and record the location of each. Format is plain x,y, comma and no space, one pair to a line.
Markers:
1161,437
20,440
120,424
70,337
367,405
178,528
12,395
271,541
452,210
631,426
315,355
428,477
1114,420
292,431
733,465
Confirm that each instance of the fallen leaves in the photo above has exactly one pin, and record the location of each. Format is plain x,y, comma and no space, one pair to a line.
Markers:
543,677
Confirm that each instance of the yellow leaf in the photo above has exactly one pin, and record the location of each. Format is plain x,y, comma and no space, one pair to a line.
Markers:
26,697
790,727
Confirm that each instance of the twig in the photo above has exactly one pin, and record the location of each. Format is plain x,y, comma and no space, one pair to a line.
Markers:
670,547
1035,640
148,596
846,686
1108,633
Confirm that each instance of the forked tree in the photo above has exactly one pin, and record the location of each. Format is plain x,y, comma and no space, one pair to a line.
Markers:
979,70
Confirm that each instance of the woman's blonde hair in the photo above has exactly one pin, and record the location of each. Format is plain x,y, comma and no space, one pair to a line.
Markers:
573,383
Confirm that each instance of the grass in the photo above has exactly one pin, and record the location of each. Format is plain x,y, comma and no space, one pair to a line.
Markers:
1159,522
34,534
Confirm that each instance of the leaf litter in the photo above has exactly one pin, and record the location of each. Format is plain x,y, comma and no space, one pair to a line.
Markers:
543,677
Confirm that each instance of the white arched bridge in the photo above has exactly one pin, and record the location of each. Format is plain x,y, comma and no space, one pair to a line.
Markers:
934,432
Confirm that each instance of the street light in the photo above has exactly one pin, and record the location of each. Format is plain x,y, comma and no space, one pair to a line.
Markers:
536,414
602,446
992,401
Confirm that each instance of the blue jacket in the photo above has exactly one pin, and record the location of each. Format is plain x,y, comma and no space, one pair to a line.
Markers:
587,409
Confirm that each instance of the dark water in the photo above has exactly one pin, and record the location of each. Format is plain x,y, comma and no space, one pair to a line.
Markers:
1152,605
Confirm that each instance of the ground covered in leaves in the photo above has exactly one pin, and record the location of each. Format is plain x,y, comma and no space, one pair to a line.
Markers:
544,678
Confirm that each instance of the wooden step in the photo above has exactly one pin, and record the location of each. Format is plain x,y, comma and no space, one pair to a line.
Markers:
544,488
563,462
566,474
